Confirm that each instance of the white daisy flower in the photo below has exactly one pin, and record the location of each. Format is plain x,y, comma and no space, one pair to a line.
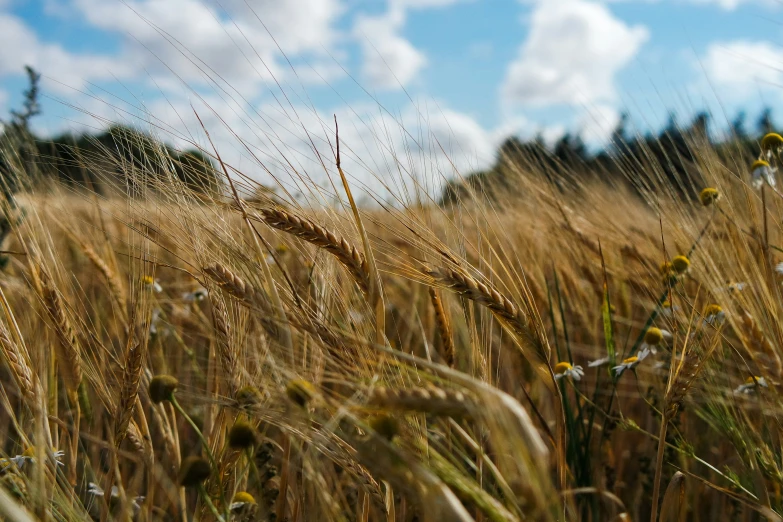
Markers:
603,361
751,384
152,284
655,337
668,310
714,315
631,362
196,295
95,490
29,456
243,503
761,173
732,288
155,320
564,369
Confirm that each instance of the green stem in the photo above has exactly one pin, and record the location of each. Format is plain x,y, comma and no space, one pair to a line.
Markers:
209,503
204,443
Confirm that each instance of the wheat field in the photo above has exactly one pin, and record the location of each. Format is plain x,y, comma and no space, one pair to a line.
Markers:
589,350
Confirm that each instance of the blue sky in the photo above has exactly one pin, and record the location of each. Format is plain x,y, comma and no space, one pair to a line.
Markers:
448,77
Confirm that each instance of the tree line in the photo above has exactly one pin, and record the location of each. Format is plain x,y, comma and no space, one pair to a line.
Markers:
629,157
103,162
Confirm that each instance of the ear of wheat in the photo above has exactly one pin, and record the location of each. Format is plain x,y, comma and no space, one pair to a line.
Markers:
68,350
501,306
129,390
347,254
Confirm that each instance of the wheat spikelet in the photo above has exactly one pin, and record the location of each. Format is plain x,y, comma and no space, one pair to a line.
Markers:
137,440
683,381
131,376
319,236
436,401
755,339
223,339
68,346
115,285
444,328
231,283
17,362
501,306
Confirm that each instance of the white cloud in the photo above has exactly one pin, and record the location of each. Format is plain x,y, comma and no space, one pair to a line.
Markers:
571,55
741,68
200,43
20,46
389,60
378,151
597,123
730,5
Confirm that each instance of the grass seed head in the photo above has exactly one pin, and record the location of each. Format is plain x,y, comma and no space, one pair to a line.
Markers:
162,388
193,471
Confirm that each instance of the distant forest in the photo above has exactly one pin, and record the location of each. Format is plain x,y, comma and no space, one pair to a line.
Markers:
671,153
103,161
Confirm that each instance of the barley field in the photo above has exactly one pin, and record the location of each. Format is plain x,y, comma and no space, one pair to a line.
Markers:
548,348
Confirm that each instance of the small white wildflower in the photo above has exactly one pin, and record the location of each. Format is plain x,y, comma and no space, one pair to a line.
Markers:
603,361
668,310
714,315
156,313
750,385
29,456
196,295
760,173
243,503
564,369
655,337
631,362
95,490
151,283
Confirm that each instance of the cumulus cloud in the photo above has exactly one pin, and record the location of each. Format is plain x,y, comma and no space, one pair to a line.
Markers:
229,42
20,46
741,67
389,60
730,5
379,152
597,123
571,55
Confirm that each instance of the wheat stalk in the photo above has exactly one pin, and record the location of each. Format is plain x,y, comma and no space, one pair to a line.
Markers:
68,351
303,228
129,391
444,328
223,340
115,285
17,362
501,306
